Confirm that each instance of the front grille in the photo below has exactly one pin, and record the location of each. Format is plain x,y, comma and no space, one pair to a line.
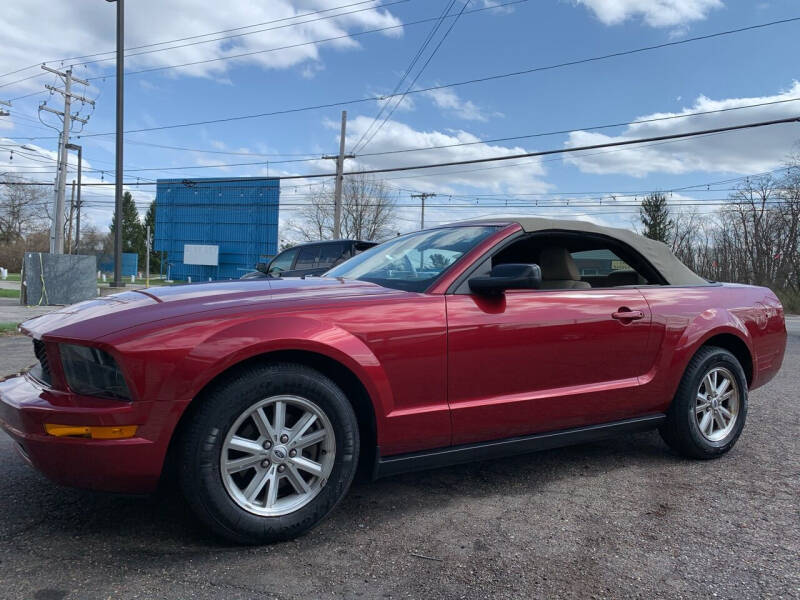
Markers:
42,370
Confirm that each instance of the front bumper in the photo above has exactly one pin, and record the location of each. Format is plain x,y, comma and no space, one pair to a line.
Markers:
125,465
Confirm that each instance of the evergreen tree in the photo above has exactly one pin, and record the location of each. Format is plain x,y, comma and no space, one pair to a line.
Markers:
150,220
132,229
654,214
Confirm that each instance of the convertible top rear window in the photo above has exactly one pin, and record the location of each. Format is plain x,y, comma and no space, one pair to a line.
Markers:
413,262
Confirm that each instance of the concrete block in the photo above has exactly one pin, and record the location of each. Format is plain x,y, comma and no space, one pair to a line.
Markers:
53,279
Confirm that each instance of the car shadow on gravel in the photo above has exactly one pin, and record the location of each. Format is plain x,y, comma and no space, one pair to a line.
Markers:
130,524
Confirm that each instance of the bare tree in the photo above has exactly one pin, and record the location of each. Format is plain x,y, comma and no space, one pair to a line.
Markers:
22,210
92,240
368,212
754,238
691,234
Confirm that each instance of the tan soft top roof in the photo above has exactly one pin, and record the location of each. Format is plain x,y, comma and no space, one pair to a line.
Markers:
658,254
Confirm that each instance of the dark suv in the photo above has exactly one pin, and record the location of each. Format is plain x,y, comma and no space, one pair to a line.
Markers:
313,258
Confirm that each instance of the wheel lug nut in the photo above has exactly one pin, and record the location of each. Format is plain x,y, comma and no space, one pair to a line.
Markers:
284,438
265,463
267,445
292,453
281,468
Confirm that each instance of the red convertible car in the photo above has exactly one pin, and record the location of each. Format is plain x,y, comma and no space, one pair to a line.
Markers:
465,342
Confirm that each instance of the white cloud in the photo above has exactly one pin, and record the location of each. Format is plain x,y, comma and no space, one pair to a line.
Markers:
745,151
449,101
43,30
497,7
527,175
656,13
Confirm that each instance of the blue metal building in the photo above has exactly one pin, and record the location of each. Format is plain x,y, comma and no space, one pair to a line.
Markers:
239,215
130,263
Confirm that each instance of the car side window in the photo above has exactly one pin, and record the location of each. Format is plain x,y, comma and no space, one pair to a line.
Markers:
331,254
605,268
572,261
307,259
282,262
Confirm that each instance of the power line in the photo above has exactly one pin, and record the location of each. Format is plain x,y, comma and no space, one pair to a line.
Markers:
449,85
416,77
194,37
315,158
516,203
530,162
407,71
228,37
255,52
591,128
285,47
661,138
473,195
227,152
492,159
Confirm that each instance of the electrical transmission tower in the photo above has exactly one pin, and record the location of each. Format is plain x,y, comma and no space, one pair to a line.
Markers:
67,117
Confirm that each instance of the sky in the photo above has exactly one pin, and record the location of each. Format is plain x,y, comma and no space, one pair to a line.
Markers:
319,53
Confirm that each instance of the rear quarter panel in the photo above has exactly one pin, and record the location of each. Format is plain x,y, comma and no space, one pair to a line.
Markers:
685,318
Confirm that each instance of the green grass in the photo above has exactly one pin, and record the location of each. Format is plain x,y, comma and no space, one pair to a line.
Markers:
13,277
790,301
8,328
9,293
139,281
153,282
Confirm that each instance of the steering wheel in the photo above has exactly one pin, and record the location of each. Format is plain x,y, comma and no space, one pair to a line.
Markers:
411,266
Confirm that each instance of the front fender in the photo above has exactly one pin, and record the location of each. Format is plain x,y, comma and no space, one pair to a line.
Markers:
174,363
239,342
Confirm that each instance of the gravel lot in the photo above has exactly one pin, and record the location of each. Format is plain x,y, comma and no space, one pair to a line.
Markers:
622,518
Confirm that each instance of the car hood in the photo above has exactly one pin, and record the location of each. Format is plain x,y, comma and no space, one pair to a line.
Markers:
102,316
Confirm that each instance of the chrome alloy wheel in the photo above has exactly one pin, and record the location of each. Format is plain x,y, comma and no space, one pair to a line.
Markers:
278,455
717,404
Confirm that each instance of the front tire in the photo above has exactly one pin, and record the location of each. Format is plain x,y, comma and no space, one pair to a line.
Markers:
708,412
269,453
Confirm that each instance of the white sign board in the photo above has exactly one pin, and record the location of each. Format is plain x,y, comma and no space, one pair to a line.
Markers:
199,254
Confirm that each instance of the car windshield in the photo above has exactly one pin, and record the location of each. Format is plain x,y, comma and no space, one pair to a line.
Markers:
412,262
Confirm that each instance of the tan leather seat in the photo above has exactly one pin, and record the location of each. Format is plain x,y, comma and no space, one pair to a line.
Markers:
559,271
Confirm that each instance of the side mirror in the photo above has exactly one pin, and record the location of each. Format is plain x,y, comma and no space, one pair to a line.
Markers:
512,276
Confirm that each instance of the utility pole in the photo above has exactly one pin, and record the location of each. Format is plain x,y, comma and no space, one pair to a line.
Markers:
337,190
57,229
71,214
78,202
423,196
147,258
120,123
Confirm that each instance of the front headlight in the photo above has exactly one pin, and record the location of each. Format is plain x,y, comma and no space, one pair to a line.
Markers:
93,372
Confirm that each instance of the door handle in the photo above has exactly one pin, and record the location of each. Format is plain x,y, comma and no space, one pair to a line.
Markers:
626,314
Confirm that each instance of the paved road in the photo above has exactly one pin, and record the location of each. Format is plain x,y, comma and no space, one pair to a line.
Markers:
12,312
622,518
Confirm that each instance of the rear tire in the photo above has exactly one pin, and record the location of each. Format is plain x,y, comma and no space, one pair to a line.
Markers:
708,412
269,453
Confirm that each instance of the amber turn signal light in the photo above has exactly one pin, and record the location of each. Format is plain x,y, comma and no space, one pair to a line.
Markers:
95,433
